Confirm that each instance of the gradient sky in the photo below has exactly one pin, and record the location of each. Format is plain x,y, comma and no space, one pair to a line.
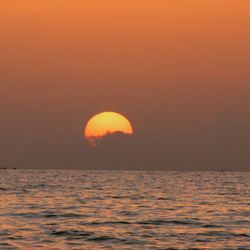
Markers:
177,69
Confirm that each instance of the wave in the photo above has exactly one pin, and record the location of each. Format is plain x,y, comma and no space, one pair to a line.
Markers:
107,223
90,236
162,222
224,233
72,233
45,215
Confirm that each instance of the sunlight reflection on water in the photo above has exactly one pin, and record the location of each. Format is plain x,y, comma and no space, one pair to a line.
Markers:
124,210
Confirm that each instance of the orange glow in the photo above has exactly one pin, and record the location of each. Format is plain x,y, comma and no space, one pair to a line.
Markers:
107,122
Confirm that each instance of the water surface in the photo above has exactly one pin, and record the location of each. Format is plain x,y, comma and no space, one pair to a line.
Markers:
124,210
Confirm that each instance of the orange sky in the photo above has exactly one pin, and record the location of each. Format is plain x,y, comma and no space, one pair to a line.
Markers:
169,65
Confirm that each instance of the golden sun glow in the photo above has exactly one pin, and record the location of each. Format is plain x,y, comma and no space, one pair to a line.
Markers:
107,123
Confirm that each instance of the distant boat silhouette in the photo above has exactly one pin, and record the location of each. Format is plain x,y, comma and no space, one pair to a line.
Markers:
5,167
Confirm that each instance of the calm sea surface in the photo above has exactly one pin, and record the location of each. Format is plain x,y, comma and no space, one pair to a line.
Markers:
124,210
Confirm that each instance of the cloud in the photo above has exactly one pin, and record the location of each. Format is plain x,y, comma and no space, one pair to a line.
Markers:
206,149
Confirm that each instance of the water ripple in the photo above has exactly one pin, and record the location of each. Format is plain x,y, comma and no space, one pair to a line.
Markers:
124,210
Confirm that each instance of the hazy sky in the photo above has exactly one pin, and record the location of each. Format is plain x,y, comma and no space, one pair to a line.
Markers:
178,69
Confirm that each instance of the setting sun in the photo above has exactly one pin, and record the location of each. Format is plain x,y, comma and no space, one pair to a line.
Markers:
107,122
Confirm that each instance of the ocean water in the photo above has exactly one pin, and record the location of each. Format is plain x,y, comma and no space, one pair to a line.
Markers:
124,210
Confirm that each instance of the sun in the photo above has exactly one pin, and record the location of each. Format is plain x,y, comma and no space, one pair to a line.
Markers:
106,123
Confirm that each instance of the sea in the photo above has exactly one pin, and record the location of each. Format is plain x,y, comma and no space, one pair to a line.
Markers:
76,209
